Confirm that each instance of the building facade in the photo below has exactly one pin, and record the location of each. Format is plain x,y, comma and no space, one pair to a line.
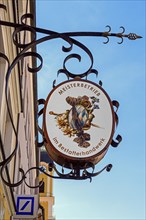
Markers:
20,109
46,189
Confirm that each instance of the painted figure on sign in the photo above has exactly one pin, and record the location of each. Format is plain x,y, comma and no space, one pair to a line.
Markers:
78,119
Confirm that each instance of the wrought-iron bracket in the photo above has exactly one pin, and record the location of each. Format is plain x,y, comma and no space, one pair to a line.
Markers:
70,38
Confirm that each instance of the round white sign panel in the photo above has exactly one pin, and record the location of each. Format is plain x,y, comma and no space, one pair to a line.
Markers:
78,119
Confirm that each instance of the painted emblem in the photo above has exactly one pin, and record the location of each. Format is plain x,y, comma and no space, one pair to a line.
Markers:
77,120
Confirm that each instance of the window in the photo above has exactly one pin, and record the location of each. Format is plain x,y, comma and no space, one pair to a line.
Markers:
42,187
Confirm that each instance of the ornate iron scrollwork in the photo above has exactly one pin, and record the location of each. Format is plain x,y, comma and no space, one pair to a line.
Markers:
68,37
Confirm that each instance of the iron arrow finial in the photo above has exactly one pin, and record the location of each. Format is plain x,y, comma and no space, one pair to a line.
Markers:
133,36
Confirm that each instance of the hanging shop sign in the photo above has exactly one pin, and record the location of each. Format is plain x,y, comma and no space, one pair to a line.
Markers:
78,123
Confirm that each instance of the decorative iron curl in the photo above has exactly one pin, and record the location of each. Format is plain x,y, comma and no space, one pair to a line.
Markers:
78,57
18,31
74,174
40,130
120,35
25,17
107,34
30,186
9,183
3,7
118,139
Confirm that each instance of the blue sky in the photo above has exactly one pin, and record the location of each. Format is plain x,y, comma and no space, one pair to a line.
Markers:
119,194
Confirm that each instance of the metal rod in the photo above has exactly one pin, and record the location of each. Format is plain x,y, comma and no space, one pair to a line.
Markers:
71,34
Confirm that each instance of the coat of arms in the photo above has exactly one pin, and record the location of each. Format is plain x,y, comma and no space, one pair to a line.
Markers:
77,120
